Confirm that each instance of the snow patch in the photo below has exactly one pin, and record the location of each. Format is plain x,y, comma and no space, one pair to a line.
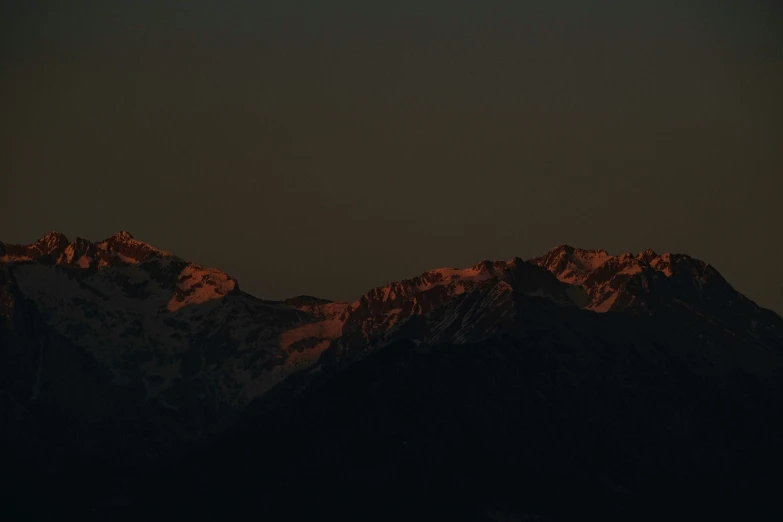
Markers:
11,258
605,305
328,329
663,264
198,285
69,253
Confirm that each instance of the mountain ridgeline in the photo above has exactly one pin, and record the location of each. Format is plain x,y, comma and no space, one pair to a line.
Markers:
134,383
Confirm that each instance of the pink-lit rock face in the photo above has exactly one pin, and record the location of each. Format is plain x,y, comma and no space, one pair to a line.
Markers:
572,265
635,282
197,284
55,248
50,245
458,305
188,283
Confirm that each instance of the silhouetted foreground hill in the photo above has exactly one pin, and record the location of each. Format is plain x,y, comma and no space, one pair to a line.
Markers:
577,385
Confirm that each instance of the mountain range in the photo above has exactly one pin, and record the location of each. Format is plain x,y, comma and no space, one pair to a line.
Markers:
135,383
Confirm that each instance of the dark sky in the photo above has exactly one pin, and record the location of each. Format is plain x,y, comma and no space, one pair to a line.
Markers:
328,147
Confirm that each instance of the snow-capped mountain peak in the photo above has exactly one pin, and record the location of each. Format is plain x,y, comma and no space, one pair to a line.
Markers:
122,235
125,247
55,248
639,282
51,242
572,265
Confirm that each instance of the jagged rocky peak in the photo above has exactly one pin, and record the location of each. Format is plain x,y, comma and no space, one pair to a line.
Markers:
637,282
52,241
570,264
129,249
119,249
487,285
588,258
485,265
122,235
576,265
47,247
189,283
196,285
647,255
193,283
55,247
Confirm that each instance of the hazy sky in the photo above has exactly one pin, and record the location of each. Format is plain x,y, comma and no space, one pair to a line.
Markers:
328,147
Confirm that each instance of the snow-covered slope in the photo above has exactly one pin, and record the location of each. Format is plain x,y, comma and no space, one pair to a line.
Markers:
172,328
449,305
